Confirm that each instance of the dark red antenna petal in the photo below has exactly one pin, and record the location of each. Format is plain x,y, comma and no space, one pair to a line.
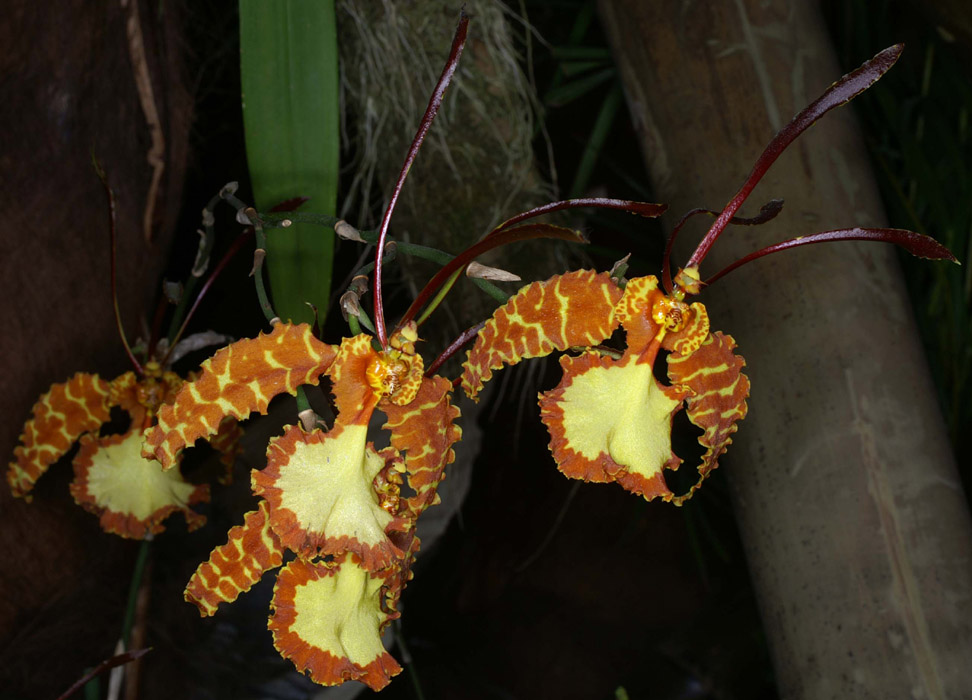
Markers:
767,212
917,244
465,337
114,286
632,207
494,240
458,42
841,92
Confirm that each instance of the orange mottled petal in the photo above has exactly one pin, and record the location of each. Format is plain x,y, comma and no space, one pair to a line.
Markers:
233,568
355,375
575,309
60,417
718,395
322,497
425,432
634,314
327,619
236,381
131,495
612,421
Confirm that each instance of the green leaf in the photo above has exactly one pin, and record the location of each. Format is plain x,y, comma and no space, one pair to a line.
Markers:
289,71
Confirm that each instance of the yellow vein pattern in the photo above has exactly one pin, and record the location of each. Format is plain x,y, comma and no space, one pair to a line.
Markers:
718,399
574,309
236,381
234,567
60,417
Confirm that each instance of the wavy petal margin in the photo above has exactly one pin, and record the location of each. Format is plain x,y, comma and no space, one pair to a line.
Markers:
250,550
322,497
131,494
236,381
574,309
60,417
717,401
424,431
327,619
612,421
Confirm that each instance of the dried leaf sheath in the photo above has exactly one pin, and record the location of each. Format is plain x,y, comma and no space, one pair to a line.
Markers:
327,619
575,309
236,381
60,417
232,568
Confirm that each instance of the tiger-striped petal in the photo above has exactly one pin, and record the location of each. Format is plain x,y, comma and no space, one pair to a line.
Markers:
238,380
60,417
717,399
574,309
250,550
424,431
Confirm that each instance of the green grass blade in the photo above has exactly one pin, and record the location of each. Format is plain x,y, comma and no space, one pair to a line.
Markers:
288,62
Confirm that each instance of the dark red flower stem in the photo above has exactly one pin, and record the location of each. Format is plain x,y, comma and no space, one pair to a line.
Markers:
118,660
454,347
836,95
917,244
458,42
234,248
493,240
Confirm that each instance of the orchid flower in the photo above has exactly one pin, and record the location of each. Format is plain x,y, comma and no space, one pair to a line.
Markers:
131,495
329,497
610,418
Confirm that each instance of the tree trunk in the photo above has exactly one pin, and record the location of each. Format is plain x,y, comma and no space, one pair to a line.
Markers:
857,531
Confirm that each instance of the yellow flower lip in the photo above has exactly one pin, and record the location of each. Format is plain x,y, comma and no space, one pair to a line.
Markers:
609,418
329,497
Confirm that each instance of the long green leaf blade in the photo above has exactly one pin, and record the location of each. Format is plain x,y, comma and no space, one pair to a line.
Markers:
288,62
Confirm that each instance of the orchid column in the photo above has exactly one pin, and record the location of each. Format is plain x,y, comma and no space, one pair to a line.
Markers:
857,531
